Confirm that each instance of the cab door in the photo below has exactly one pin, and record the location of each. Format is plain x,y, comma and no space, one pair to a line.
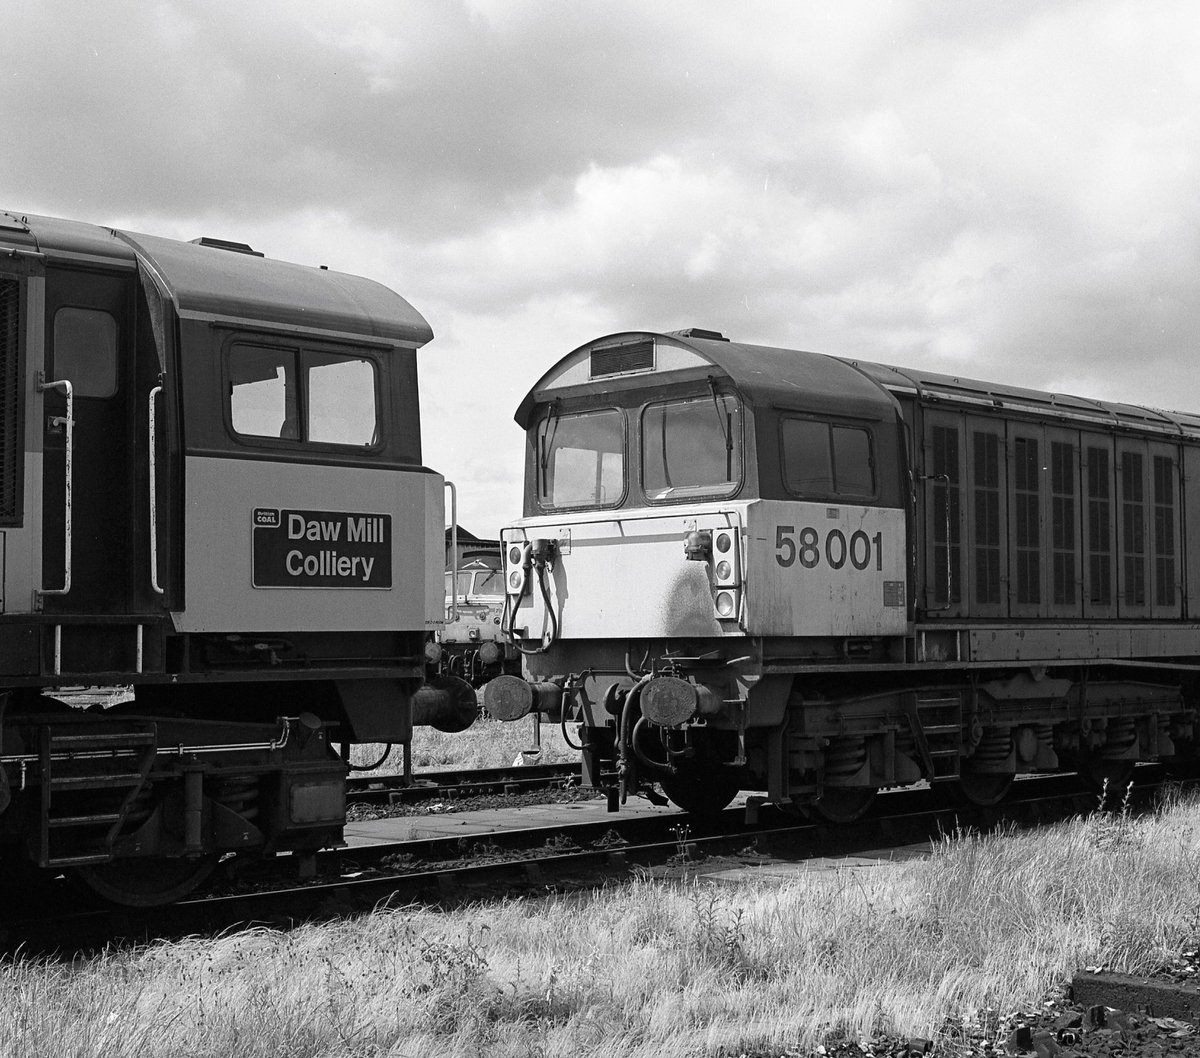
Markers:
88,517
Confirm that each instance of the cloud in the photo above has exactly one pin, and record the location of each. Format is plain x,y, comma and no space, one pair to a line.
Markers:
1002,191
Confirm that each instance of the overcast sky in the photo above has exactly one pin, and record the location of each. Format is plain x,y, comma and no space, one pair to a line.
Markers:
1007,190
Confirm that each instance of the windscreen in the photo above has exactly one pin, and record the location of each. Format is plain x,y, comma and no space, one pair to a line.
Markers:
581,459
692,447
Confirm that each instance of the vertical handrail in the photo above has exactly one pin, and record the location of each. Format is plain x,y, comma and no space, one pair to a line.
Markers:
453,550
153,442
69,423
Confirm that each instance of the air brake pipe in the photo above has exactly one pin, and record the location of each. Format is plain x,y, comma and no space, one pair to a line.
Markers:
625,768
654,767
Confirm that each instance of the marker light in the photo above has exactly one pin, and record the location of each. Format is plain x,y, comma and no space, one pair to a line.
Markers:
517,574
725,603
727,569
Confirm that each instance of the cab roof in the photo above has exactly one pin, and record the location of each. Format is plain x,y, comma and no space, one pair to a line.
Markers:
793,378
227,281
765,375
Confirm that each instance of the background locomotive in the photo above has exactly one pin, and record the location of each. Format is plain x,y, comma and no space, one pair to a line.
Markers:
210,488
473,645
758,568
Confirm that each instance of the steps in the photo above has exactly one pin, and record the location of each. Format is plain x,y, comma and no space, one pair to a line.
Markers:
75,828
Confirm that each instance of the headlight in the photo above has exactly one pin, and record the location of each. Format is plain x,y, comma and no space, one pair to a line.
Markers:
725,603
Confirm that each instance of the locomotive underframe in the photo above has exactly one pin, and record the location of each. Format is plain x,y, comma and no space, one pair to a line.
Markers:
224,747
807,733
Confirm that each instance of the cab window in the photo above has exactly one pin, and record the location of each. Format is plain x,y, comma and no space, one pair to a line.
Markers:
581,459
488,582
85,351
691,447
303,395
822,458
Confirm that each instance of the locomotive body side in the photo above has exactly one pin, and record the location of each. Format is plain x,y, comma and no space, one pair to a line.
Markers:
212,494
746,567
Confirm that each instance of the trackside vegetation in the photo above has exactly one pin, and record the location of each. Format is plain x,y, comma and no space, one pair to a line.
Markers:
487,743
981,927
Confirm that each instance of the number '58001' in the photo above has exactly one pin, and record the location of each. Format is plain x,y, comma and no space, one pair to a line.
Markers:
807,548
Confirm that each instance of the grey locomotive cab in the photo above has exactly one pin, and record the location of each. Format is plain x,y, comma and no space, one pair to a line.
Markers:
212,494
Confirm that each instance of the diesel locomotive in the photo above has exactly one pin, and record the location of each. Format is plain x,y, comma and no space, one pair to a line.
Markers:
752,568
211,491
473,646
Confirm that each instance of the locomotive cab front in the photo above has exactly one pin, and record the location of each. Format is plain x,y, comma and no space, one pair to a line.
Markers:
692,523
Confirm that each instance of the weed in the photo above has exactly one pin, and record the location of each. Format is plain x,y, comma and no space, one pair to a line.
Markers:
718,934
1111,828
450,979
683,847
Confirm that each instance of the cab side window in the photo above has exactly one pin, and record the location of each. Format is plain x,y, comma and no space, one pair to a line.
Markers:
85,351
827,459
303,395
264,399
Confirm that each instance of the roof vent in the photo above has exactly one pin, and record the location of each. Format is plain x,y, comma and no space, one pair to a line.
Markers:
700,332
225,244
622,359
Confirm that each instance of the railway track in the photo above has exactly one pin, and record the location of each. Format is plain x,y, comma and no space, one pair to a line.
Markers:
539,859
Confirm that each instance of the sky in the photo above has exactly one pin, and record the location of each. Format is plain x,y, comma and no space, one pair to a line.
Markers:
1000,190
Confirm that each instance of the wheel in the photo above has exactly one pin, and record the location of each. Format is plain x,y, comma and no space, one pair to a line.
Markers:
1185,764
983,788
702,793
149,882
845,804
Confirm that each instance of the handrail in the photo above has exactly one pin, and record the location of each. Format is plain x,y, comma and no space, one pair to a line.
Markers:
453,551
152,439
69,423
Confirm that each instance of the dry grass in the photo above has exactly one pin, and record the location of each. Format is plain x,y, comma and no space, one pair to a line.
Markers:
651,968
485,744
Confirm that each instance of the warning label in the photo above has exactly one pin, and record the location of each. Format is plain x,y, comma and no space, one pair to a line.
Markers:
321,549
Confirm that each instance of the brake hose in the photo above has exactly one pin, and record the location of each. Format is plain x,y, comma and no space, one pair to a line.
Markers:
511,629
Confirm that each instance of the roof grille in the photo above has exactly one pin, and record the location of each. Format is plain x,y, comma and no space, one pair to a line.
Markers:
225,244
621,359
